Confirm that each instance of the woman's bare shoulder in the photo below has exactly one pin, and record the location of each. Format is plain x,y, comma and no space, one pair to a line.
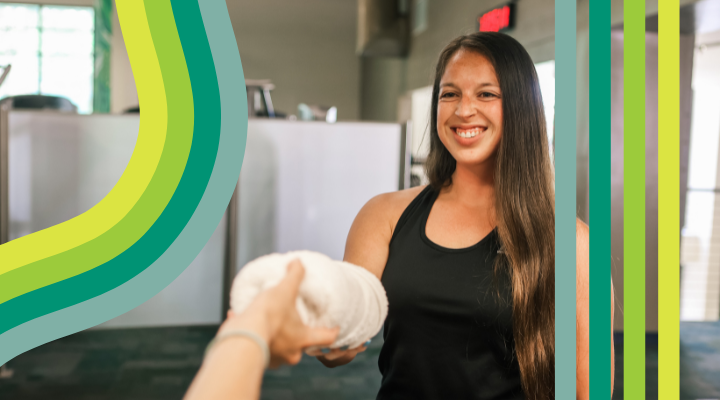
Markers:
390,206
372,230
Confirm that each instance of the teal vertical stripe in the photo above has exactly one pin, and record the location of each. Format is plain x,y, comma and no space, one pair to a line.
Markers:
600,278
565,197
634,198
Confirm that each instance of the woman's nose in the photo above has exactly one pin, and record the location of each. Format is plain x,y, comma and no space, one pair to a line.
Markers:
465,108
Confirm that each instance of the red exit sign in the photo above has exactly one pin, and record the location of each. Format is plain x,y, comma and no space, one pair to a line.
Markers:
498,19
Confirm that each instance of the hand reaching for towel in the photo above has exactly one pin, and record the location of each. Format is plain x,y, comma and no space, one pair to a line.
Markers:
234,364
332,294
273,316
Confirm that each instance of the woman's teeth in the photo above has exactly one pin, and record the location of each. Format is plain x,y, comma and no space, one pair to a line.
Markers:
468,133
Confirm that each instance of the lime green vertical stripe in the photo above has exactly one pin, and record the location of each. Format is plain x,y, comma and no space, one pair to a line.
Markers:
669,199
634,198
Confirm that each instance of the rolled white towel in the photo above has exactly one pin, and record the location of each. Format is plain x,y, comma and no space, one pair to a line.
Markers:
333,293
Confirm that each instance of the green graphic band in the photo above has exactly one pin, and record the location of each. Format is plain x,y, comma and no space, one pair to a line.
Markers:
565,203
196,206
599,203
634,198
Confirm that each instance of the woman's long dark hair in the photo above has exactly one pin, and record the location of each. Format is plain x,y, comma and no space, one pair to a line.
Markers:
524,201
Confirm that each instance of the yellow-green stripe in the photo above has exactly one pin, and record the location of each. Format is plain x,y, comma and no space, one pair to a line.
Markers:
634,198
669,200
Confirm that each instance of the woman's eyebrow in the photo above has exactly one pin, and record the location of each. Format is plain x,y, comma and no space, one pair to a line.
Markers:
484,84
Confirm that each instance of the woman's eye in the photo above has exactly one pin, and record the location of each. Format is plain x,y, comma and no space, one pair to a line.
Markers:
487,95
445,95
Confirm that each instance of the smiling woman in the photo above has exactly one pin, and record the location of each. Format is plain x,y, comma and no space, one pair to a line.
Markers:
469,108
468,262
494,85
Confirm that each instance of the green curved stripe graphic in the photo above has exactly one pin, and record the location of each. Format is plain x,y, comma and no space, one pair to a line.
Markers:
198,230
182,204
82,289
135,179
158,193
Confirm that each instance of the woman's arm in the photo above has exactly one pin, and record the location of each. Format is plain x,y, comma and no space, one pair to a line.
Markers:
583,321
368,246
368,241
583,306
233,370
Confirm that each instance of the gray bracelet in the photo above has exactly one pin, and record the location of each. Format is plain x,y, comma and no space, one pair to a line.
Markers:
245,333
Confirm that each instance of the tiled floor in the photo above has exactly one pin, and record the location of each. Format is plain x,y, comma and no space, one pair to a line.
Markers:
159,364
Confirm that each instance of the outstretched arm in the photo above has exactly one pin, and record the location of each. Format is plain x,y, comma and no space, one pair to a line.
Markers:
367,246
583,307
583,313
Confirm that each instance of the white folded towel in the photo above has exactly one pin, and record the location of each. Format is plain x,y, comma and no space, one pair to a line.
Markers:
333,293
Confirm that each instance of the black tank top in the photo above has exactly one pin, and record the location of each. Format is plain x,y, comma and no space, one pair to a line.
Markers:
448,333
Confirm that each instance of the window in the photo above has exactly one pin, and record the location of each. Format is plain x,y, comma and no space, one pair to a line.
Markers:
546,76
50,49
700,243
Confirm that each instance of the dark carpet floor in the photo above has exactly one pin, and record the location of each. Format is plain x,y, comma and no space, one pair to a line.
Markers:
651,370
699,360
159,364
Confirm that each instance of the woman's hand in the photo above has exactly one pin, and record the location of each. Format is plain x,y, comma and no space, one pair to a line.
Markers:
336,357
274,317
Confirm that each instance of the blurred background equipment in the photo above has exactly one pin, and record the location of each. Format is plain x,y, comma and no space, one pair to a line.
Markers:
259,102
383,28
317,113
40,102
499,19
5,72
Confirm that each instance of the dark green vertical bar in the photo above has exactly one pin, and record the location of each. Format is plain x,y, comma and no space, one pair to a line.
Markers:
103,34
600,278
565,194
634,198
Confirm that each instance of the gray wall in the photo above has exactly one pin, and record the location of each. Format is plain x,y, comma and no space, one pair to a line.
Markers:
383,81
307,48
535,29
